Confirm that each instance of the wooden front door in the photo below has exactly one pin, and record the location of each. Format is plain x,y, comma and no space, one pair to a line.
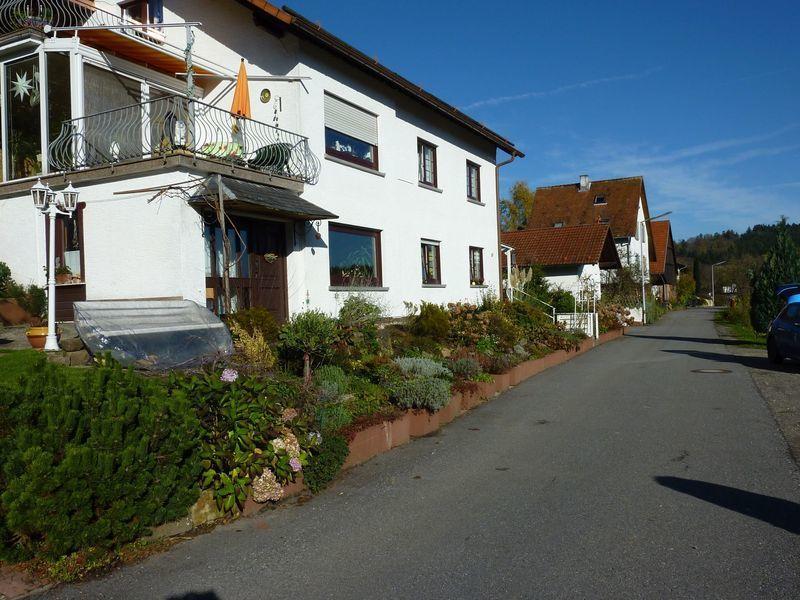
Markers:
258,273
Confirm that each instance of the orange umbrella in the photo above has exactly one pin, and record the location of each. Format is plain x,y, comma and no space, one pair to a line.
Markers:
241,96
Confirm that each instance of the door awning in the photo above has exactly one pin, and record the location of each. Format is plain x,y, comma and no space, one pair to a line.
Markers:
249,196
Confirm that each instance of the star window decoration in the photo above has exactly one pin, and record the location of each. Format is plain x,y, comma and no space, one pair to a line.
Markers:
22,86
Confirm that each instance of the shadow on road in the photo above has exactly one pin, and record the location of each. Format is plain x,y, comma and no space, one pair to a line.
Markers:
751,362
775,511
210,595
696,340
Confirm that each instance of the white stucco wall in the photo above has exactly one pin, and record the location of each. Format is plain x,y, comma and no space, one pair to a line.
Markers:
580,278
132,248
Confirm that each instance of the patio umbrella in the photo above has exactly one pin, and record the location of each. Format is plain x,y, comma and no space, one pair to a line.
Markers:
241,95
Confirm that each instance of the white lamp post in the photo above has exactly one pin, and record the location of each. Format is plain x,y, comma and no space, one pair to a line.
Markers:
51,204
713,302
641,260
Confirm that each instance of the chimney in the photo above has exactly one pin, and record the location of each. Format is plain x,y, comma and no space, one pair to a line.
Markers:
585,184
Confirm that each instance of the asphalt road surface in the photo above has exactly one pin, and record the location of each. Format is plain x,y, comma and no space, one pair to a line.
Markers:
622,473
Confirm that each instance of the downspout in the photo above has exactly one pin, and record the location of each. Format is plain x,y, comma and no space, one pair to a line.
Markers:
497,199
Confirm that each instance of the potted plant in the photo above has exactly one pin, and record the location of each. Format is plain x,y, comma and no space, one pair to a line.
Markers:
63,274
36,303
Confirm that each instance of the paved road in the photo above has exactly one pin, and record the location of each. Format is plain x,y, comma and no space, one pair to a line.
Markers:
619,474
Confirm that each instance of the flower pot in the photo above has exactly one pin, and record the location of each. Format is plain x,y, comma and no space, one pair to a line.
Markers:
37,336
63,278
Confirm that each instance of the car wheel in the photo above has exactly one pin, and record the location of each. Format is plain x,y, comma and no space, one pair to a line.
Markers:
772,352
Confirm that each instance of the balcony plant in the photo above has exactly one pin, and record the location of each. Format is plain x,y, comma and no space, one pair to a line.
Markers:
63,274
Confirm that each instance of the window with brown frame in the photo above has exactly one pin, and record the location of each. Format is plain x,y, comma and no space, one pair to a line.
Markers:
355,256
427,163
69,247
475,265
351,133
144,11
431,263
473,182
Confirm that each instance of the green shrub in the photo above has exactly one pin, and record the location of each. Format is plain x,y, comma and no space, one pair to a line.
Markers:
241,419
431,393
466,368
432,322
324,466
92,461
331,380
311,335
360,311
332,417
563,300
781,265
423,367
257,319
365,398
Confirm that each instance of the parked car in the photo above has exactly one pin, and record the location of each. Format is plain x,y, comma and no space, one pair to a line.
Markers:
783,337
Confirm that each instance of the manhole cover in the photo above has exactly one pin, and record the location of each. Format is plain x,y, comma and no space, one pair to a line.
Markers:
710,371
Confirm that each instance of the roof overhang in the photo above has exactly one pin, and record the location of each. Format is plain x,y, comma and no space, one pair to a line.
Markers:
258,198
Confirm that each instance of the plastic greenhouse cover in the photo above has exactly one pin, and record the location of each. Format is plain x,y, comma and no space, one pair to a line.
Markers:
153,334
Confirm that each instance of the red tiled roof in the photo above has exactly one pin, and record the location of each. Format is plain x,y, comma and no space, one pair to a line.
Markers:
575,245
568,205
661,236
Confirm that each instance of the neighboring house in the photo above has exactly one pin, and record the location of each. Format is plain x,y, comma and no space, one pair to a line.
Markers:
572,257
663,264
347,178
618,203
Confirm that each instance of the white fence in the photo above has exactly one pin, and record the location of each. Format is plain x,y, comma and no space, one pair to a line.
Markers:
580,321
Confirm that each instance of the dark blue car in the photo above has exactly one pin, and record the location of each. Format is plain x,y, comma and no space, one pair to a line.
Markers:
783,338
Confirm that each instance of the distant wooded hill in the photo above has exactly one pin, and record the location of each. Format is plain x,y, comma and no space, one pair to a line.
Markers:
742,251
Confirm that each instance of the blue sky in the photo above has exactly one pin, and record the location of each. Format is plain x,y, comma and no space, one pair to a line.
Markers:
701,97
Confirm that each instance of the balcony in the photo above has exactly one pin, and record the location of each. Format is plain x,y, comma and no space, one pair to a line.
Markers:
102,29
177,125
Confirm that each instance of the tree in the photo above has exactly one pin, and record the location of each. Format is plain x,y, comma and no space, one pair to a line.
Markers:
686,288
781,265
696,274
514,211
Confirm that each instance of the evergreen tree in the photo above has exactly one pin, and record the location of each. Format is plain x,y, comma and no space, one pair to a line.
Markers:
696,274
781,265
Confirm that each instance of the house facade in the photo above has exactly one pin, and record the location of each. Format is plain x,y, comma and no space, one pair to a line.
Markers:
664,263
573,258
346,178
619,203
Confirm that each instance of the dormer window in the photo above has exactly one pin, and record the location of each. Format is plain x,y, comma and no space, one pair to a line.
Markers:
599,200
558,224
604,221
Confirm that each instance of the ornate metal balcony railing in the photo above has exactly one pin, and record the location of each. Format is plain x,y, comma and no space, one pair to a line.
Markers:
176,124
37,14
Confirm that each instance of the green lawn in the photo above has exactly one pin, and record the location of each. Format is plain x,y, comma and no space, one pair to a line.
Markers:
14,363
743,333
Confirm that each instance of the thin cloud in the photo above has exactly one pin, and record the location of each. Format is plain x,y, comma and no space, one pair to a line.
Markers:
562,89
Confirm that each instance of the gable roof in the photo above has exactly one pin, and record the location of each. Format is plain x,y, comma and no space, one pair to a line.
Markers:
662,236
288,19
569,205
553,246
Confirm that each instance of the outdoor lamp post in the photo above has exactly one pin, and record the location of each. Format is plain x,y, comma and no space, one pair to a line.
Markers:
641,260
713,298
51,204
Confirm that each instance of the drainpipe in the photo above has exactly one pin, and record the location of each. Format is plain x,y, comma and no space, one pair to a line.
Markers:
497,199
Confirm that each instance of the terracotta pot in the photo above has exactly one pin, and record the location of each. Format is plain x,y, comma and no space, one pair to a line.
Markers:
63,278
37,337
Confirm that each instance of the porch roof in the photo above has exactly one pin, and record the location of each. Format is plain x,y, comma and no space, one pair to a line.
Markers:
247,195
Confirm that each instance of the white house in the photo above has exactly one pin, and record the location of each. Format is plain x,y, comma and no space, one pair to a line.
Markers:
619,203
345,178
572,257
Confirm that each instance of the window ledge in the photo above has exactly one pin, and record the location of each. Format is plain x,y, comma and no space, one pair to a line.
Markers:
434,285
425,186
481,286
347,163
478,202
347,288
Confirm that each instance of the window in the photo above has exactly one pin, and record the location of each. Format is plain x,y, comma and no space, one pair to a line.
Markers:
355,256
144,11
68,247
351,133
427,163
473,182
600,200
431,263
558,224
23,118
604,221
475,266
